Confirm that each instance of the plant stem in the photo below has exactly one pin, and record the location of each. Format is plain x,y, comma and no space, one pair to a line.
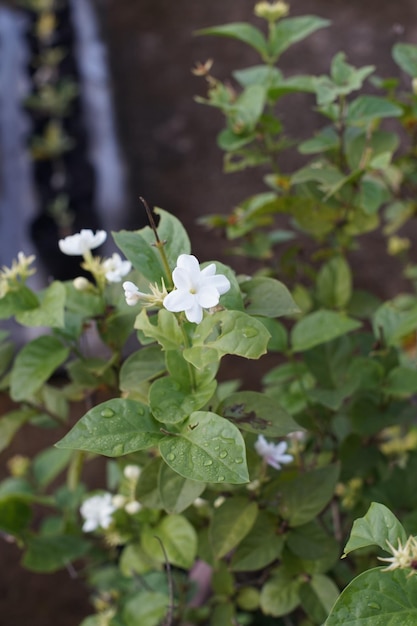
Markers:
191,372
158,244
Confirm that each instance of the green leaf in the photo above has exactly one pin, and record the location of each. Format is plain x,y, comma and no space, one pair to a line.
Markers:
405,55
290,30
366,109
230,523
50,312
319,327
325,139
15,514
227,332
280,595
147,488
209,449
146,608
34,364
334,283
311,542
141,254
172,233
163,328
377,527
247,109
242,32
177,492
48,464
268,297
376,598
178,537
10,424
304,497
15,302
53,552
318,596
401,382
260,547
257,413
114,428
170,403
141,366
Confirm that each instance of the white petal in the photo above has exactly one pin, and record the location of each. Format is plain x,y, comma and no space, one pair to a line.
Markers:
207,297
182,279
190,264
195,313
220,282
210,270
178,300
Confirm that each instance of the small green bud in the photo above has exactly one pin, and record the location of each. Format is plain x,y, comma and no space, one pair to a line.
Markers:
272,11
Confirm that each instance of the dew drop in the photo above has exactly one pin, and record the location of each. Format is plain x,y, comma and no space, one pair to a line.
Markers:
208,462
249,332
107,412
239,460
374,605
220,479
217,448
140,411
171,456
223,454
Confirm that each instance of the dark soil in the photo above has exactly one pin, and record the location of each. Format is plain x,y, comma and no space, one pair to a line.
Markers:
169,145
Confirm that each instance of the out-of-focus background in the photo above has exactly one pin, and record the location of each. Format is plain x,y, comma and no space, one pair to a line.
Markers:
141,133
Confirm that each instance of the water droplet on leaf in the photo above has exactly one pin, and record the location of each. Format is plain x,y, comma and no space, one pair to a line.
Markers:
208,462
374,605
171,456
249,332
239,460
107,413
220,479
223,454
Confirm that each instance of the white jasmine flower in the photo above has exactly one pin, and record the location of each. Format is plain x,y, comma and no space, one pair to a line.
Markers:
132,293
82,242
115,268
273,454
131,472
133,507
195,289
403,556
82,284
97,512
118,501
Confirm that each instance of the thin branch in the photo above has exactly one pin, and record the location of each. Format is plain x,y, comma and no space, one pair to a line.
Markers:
168,621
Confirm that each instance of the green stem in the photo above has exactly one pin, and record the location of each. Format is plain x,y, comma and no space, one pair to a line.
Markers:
187,344
75,469
159,244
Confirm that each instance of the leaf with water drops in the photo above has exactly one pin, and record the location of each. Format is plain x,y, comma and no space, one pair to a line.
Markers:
377,527
114,428
257,413
170,403
227,332
209,449
377,598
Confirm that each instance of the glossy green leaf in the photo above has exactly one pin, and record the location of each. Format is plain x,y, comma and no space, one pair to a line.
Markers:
290,30
405,54
376,598
268,297
145,608
34,364
366,109
171,404
172,233
177,493
209,449
377,527
143,365
304,497
114,428
334,283
178,538
318,596
230,523
163,328
50,553
50,312
48,464
14,302
280,595
257,413
260,547
242,32
319,327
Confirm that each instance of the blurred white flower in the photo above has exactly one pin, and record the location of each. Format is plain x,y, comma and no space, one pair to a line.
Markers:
82,284
97,512
133,507
131,472
118,501
273,454
82,242
115,268
195,289
132,293
403,556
